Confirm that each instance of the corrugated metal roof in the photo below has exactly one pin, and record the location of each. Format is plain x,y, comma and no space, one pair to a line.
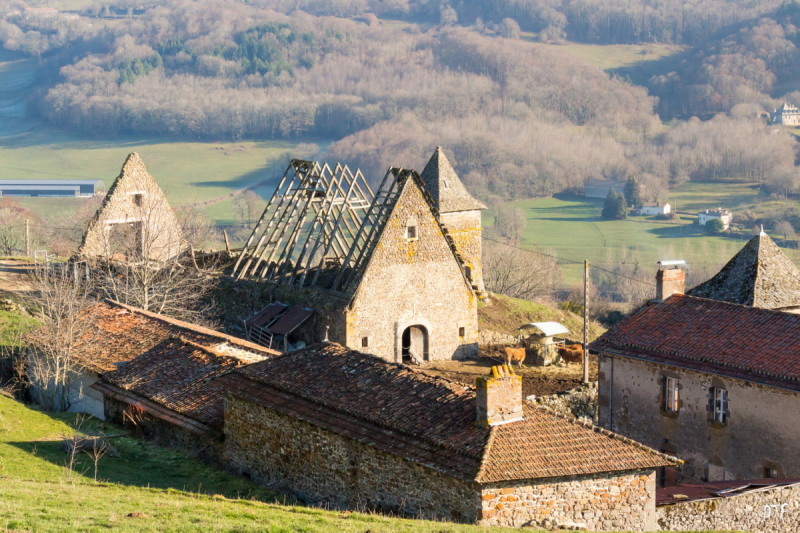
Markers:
716,489
265,316
295,316
547,328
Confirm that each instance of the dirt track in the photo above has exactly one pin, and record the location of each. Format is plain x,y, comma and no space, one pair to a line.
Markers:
14,277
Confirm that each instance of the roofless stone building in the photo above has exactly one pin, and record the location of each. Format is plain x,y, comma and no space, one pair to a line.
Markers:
396,272
135,220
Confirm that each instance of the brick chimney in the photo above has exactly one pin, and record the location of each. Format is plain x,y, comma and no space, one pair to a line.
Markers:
499,397
670,279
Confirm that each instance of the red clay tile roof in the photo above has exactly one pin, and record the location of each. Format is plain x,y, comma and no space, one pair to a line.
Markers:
429,420
742,342
119,332
180,376
759,275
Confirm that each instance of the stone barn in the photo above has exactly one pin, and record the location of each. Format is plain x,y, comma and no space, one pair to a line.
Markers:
342,428
135,221
396,272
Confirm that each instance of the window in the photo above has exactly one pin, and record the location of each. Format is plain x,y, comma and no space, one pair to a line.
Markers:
411,229
720,414
770,472
461,332
138,199
671,395
365,342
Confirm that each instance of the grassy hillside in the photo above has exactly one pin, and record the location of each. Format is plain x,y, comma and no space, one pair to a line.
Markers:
145,488
504,315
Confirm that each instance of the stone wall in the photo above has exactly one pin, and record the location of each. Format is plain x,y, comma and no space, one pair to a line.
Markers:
464,227
770,510
413,282
320,466
623,501
762,429
136,200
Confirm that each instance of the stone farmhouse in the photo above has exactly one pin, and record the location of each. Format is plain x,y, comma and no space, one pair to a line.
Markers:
135,221
725,216
712,382
396,272
117,333
348,429
760,275
786,115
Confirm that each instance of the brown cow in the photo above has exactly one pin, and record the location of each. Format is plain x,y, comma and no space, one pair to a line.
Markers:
571,353
514,354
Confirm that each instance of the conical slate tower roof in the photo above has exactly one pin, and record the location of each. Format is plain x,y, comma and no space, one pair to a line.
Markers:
760,275
444,185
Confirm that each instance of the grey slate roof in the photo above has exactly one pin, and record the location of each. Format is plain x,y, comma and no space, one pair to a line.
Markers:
445,187
760,275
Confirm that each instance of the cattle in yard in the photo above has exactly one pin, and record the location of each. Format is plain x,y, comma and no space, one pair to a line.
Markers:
571,353
512,355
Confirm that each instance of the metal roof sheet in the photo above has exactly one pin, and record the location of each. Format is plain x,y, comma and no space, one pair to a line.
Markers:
295,316
265,316
547,328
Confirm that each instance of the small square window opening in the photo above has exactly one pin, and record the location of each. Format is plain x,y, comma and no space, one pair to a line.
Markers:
461,332
411,232
365,342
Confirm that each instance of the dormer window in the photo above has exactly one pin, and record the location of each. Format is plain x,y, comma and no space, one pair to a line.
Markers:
411,229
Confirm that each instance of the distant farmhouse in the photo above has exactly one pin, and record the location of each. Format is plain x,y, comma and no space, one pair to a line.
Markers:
725,216
786,114
337,426
396,273
713,376
601,188
652,209
65,187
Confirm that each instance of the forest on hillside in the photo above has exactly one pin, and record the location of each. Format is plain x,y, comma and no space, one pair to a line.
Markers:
388,80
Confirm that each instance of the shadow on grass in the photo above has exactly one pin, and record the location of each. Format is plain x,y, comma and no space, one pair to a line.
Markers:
681,231
141,463
270,173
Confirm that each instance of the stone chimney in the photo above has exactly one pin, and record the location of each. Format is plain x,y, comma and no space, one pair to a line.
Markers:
499,397
670,279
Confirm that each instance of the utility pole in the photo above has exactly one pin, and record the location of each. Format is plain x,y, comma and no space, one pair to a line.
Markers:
585,321
27,238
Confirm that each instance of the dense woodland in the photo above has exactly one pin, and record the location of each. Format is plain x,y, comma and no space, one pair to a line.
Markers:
388,80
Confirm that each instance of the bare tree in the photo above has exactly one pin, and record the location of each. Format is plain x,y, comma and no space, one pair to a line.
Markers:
520,273
62,296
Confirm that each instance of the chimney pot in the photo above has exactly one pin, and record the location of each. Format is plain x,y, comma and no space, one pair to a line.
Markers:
499,397
671,280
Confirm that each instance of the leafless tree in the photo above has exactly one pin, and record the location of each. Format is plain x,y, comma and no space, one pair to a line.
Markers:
62,297
520,273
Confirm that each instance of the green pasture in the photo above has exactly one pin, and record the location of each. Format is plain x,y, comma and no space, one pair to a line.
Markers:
144,487
571,226
615,56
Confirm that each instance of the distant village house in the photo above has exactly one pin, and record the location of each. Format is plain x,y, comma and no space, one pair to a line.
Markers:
652,209
786,115
723,215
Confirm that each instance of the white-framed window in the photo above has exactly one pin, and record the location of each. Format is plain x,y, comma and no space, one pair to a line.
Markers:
411,229
671,395
720,414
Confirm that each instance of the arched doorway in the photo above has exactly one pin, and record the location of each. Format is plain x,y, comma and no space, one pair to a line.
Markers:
415,344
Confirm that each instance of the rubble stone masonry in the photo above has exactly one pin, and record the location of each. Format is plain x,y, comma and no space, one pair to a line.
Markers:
323,467
770,510
413,282
623,501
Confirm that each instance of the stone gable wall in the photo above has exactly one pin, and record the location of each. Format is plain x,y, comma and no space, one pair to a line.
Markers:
135,198
623,501
323,467
762,430
768,511
413,282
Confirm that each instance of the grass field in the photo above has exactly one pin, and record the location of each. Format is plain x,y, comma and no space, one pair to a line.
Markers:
571,226
615,56
144,488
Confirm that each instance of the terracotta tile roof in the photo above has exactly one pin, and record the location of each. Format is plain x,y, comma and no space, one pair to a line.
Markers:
179,375
760,275
429,420
742,342
119,333
445,187
693,492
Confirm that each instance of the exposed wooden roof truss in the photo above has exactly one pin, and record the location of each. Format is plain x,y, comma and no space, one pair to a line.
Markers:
318,228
